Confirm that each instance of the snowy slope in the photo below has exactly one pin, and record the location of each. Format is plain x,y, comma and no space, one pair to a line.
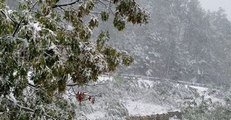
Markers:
139,108
119,97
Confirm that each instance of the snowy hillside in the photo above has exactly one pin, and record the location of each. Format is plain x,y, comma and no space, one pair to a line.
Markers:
121,97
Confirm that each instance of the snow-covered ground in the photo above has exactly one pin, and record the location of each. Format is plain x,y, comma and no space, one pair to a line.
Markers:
200,90
139,108
145,83
120,97
96,115
203,91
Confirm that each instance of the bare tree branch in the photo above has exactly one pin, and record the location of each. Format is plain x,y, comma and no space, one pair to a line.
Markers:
66,4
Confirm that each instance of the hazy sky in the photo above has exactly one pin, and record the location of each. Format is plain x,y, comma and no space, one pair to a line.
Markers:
215,4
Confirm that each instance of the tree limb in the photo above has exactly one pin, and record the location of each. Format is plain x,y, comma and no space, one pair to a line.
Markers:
25,108
75,84
30,109
32,85
65,4
9,17
22,107
71,85
19,24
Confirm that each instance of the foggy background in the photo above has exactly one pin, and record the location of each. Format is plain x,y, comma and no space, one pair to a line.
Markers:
213,5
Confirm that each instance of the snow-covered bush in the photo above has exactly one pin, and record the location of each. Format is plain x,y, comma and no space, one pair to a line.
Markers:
206,110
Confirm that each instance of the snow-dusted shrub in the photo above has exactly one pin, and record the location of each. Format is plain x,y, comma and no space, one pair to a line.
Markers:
206,110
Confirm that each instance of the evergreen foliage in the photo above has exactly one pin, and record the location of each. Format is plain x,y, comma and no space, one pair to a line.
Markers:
46,43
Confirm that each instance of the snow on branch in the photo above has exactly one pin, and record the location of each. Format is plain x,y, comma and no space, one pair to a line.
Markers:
66,4
19,24
28,109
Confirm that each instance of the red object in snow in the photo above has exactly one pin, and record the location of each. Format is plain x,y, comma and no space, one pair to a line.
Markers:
81,96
